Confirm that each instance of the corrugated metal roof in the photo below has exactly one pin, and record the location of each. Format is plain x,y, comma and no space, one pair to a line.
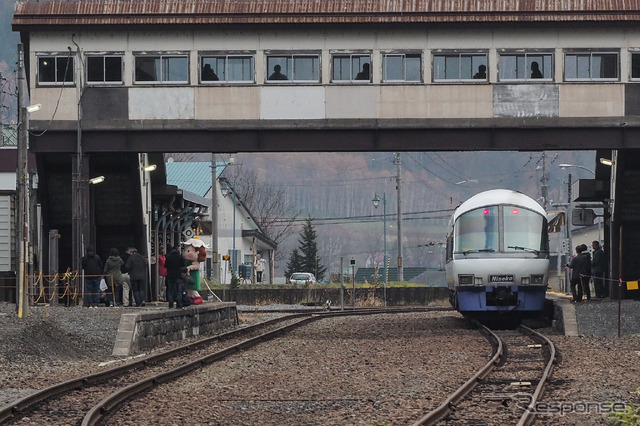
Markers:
172,12
192,176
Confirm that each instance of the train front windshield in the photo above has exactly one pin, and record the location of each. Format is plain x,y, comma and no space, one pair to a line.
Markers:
500,229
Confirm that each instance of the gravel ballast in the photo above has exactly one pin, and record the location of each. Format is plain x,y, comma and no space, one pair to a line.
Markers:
393,369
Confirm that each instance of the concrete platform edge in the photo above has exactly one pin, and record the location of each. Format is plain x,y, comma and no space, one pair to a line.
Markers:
564,315
145,330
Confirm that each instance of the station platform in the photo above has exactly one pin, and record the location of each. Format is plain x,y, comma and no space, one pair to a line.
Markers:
595,317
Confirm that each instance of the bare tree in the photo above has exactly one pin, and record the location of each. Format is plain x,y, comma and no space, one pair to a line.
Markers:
267,204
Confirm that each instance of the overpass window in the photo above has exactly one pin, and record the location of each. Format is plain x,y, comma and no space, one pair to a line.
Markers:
355,67
162,69
525,67
590,66
635,66
401,67
460,67
226,68
104,69
55,70
298,68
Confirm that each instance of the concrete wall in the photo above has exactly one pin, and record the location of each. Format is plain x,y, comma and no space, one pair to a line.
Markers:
142,331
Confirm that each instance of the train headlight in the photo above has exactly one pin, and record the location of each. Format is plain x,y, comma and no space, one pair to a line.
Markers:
537,279
525,281
477,280
465,279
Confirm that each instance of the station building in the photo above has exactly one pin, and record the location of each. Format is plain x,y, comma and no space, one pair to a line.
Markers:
122,81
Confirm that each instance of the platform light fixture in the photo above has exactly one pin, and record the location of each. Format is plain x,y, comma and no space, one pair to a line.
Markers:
566,166
33,108
150,168
96,180
606,161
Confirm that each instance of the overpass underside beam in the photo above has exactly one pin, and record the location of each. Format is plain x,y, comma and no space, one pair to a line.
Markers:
309,137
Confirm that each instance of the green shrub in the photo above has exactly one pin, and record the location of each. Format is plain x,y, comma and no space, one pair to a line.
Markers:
631,415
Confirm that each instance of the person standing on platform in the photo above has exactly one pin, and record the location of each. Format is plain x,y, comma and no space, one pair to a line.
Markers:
113,267
126,280
92,266
579,266
136,266
598,268
176,266
259,267
162,276
585,274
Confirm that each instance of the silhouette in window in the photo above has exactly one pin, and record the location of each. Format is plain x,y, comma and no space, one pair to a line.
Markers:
277,75
208,74
535,70
482,73
364,74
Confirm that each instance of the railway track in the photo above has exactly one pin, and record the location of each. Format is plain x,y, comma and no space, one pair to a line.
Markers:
507,388
91,399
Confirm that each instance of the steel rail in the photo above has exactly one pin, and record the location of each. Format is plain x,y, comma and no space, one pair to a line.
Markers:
444,409
529,415
26,403
105,408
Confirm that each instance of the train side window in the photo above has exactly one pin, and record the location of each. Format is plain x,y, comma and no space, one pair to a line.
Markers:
463,67
104,69
401,67
525,67
55,70
227,68
635,66
300,68
351,67
161,68
591,66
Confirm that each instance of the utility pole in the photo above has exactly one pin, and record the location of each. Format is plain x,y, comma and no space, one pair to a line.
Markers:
79,182
398,162
545,182
22,174
215,270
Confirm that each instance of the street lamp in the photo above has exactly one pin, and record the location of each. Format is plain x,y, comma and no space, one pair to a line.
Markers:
564,166
376,203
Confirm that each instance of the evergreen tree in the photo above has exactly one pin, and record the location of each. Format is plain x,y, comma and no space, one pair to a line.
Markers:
294,264
310,262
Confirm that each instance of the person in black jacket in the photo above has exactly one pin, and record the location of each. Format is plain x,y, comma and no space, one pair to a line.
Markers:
175,265
580,273
92,266
598,268
136,266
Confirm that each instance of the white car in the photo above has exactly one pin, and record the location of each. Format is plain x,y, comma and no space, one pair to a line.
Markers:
302,278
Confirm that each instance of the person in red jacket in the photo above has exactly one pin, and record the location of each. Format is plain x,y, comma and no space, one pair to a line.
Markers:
162,276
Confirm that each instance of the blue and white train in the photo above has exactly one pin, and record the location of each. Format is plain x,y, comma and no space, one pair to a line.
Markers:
497,255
